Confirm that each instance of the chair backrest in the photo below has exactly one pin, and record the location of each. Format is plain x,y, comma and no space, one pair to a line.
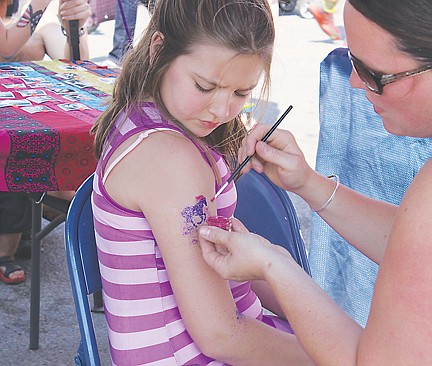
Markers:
81,254
267,210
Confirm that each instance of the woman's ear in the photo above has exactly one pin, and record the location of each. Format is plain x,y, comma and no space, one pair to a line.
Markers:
156,43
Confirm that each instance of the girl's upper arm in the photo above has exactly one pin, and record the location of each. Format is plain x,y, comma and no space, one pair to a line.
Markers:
177,199
399,330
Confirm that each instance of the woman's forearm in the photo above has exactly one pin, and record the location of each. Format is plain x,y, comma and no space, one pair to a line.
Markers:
364,222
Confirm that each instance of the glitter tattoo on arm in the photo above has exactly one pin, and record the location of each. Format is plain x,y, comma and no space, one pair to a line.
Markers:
30,18
194,216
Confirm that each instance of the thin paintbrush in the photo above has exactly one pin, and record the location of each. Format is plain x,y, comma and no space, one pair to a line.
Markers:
245,161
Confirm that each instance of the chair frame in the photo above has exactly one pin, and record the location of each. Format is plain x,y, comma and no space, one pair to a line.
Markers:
83,268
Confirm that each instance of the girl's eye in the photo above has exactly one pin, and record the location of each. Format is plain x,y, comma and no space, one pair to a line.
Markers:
201,89
204,90
242,95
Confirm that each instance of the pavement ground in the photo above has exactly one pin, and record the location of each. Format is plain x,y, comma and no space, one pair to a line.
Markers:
300,47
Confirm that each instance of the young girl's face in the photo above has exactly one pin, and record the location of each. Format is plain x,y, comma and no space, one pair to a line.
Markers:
209,86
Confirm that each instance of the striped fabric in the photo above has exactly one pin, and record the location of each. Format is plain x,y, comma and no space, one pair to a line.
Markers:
145,327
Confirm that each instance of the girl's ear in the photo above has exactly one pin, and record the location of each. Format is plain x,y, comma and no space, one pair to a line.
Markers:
156,43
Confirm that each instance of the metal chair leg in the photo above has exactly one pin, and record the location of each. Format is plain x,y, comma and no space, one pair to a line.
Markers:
37,234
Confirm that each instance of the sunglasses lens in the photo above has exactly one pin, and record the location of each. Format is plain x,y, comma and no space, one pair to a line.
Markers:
365,75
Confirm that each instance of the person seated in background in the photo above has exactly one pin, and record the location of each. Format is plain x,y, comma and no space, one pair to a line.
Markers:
37,32
15,218
41,30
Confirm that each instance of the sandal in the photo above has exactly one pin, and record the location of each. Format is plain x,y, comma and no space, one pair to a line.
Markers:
9,265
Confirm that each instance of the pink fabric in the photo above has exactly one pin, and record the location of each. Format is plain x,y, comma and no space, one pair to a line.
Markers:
51,150
5,147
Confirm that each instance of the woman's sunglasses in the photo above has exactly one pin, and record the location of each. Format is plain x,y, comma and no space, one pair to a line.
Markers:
376,81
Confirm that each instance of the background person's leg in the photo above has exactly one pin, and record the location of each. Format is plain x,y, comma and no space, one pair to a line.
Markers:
10,272
120,40
15,217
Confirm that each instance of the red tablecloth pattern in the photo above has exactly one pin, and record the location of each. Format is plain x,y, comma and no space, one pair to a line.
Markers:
50,150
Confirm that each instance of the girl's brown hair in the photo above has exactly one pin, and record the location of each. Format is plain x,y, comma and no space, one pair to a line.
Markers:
245,26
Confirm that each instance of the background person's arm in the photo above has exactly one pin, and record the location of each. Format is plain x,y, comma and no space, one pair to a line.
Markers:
15,35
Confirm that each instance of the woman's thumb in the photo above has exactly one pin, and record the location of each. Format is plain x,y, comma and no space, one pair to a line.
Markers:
270,154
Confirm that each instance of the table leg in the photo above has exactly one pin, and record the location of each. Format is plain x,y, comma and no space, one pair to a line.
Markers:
97,302
35,275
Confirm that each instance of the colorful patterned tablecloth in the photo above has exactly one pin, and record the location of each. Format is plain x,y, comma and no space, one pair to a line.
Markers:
46,111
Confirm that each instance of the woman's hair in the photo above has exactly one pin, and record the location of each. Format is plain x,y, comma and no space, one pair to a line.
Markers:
408,21
245,26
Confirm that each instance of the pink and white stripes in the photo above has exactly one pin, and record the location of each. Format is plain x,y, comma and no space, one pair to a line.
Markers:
145,326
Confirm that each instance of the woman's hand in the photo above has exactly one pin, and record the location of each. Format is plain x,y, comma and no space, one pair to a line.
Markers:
280,157
74,10
238,255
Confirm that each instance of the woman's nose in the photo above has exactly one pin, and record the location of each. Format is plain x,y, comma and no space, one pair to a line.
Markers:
355,81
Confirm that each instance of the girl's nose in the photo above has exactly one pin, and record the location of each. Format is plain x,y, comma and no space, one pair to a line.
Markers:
220,105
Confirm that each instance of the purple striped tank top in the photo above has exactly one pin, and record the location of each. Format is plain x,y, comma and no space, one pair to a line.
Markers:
144,323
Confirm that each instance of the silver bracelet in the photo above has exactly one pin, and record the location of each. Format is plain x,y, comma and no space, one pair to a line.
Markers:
324,206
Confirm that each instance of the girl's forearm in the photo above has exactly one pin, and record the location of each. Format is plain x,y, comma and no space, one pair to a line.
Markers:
253,343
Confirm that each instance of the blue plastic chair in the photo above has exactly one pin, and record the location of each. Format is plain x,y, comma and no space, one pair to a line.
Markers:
263,207
266,209
83,267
